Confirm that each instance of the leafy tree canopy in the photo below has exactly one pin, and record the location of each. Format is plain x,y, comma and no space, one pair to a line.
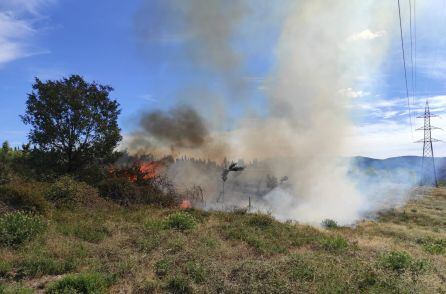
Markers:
73,123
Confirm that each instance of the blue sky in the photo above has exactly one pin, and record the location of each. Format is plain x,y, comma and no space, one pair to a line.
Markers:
101,41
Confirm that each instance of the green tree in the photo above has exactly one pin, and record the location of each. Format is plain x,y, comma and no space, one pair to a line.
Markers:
73,123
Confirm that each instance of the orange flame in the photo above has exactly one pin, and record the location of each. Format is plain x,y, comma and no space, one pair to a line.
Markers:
150,170
185,204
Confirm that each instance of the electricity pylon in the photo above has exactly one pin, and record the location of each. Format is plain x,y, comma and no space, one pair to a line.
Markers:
428,176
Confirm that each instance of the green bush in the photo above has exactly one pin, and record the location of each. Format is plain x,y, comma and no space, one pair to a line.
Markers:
119,189
67,192
81,283
18,227
329,224
179,284
27,196
182,221
397,261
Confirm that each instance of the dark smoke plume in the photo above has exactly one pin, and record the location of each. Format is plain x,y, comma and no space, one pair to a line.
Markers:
179,127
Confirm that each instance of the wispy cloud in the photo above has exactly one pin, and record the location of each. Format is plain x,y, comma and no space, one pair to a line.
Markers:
18,27
351,93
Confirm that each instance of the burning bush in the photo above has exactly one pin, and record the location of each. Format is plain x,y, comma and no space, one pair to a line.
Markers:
140,183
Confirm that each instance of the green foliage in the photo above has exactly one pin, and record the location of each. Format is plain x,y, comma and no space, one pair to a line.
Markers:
27,196
433,246
15,290
336,243
67,192
18,227
179,284
81,283
329,224
397,261
73,123
119,189
182,221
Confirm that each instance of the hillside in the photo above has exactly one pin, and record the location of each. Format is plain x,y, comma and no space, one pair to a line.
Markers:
152,250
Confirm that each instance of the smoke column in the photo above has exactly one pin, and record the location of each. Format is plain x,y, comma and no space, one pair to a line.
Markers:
324,48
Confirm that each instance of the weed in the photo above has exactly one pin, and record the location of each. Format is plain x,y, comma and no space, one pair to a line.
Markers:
162,267
196,271
336,243
18,227
80,283
42,264
181,221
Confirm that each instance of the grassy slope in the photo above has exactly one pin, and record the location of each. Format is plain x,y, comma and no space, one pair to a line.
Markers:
238,253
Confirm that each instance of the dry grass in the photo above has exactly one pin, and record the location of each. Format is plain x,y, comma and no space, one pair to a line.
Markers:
135,250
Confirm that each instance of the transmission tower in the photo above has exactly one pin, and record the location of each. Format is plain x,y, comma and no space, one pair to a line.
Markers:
428,176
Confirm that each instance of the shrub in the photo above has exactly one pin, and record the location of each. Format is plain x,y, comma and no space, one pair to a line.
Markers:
329,224
18,227
80,283
27,196
182,221
179,284
119,189
67,192
397,261
336,243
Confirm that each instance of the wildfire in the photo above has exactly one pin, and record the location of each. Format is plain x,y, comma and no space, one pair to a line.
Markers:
185,204
150,170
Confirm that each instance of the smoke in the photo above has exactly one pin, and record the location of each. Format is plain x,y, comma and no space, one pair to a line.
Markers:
323,48
180,127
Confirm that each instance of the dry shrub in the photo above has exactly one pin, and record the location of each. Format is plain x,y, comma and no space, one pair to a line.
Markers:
67,192
27,196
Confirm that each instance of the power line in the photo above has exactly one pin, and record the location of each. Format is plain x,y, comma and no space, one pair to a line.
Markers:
405,70
411,52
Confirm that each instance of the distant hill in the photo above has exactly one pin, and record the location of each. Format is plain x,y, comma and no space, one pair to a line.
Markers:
412,163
